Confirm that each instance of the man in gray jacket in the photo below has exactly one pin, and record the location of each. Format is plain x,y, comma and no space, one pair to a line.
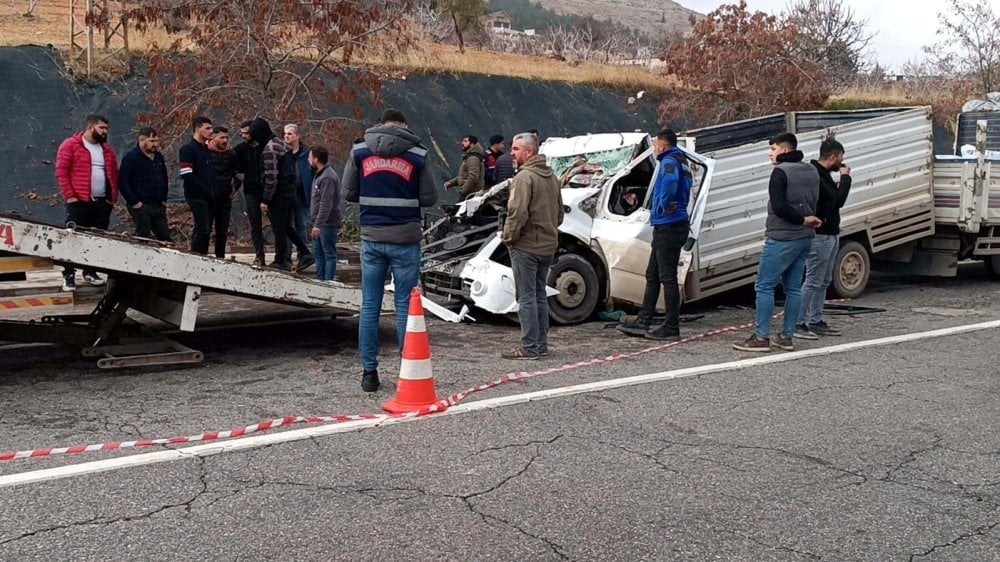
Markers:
793,197
389,176
324,210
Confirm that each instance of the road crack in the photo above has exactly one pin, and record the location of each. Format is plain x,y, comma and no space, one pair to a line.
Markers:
108,521
982,530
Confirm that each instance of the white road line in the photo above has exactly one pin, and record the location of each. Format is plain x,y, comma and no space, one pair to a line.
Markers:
256,441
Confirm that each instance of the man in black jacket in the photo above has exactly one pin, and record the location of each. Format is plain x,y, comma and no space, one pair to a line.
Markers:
277,172
823,253
224,167
200,189
143,183
248,173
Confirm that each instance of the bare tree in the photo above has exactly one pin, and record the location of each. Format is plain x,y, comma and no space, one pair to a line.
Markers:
831,36
430,23
970,43
289,60
466,15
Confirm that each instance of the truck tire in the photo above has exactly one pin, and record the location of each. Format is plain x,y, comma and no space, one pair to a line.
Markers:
993,265
851,270
579,289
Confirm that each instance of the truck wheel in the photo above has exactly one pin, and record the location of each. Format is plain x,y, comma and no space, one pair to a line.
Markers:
851,270
993,265
578,286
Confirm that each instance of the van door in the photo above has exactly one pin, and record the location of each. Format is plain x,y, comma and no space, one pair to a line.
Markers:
625,236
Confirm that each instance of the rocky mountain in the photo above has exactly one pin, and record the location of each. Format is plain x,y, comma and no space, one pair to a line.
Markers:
656,18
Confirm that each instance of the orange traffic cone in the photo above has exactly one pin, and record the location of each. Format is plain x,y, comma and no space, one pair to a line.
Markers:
415,389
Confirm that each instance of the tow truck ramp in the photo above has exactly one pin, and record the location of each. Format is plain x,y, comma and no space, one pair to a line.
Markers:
155,279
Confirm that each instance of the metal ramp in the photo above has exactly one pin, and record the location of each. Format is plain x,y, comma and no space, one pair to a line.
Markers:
155,279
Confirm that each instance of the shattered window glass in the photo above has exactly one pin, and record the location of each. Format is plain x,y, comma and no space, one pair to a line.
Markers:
609,161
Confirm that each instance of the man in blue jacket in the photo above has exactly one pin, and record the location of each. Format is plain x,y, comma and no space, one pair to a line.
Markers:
303,181
388,175
143,182
669,219
198,174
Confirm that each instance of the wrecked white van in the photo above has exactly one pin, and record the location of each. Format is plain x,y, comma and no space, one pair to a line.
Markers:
604,239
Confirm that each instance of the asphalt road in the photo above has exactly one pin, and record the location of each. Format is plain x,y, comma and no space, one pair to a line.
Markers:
880,453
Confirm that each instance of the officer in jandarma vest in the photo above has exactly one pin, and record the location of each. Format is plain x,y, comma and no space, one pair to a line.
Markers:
389,176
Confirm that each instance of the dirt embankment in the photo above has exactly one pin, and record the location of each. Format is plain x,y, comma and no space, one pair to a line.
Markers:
41,108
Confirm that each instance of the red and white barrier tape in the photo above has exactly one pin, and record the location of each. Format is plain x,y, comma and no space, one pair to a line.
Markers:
437,407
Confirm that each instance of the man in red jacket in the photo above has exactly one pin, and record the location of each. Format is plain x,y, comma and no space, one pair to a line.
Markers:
87,172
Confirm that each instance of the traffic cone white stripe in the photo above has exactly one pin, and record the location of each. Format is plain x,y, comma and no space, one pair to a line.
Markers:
416,369
416,324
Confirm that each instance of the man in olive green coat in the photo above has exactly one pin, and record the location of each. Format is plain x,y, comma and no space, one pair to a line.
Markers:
471,174
531,233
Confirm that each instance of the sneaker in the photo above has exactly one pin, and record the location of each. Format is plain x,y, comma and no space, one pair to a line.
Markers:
282,266
520,353
633,329
304,262
93,279
69,284
783,342
804,333
824,329
369,381
662,334
753,343
258,262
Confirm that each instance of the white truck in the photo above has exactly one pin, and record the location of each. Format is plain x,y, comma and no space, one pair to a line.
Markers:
604,244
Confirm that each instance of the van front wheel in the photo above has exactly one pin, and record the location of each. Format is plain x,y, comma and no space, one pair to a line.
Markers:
579,289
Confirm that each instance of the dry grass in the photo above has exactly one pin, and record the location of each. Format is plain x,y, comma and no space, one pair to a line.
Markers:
50,26
430,58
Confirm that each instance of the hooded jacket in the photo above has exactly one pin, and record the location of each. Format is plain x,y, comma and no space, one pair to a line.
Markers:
73,169
388,175
277,180
534,209
672,188
793,195
470,175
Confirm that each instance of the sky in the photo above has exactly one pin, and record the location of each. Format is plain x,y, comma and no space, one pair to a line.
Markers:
902,27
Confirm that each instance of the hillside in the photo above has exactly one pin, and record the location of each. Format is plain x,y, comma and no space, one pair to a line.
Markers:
656,18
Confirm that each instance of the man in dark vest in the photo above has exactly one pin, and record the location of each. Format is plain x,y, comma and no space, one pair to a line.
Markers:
388,175
793,197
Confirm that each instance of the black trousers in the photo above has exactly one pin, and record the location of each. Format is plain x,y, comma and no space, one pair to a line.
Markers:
89,214
151,221
281,210
256,218
206,214
668,241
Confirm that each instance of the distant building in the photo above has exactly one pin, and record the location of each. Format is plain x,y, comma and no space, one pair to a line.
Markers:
498,22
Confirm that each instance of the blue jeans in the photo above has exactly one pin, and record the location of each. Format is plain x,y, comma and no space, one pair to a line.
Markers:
531,272
783,261
377,259
325,251
819,274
